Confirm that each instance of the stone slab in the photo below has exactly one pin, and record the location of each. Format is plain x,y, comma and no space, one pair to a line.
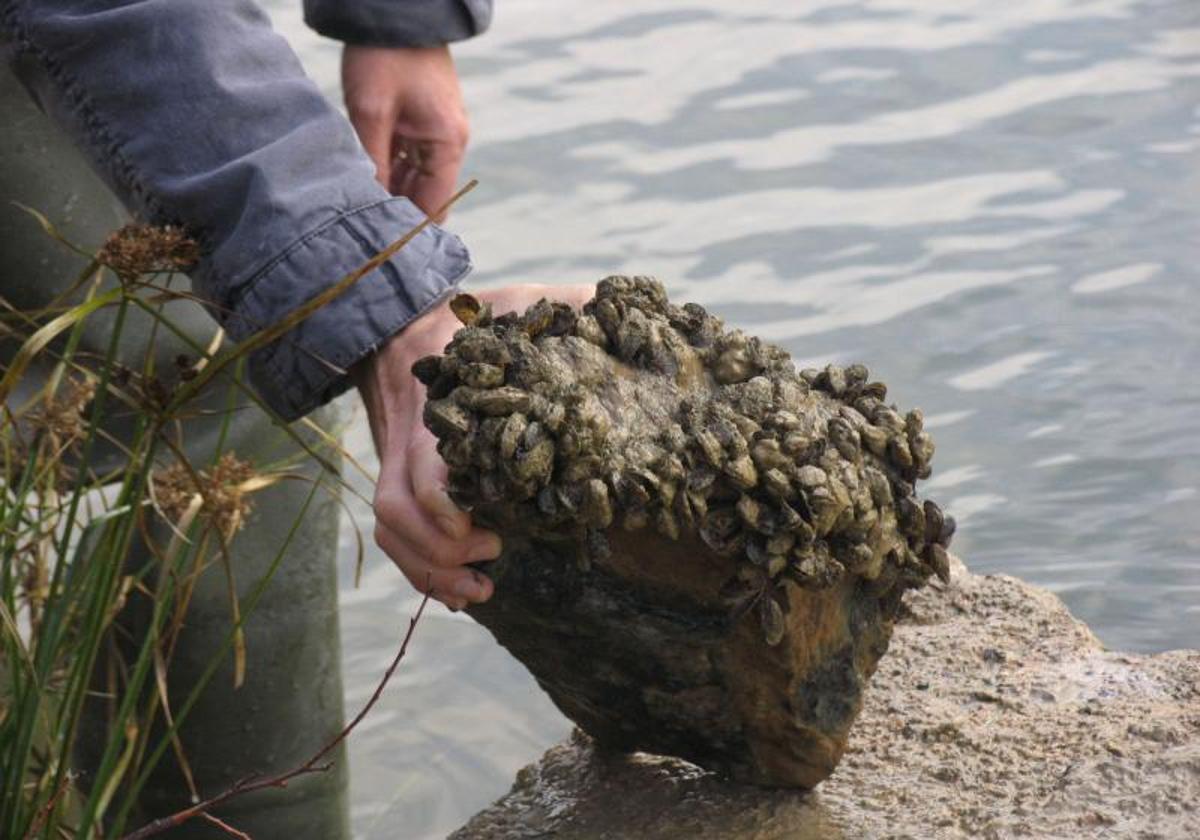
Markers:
994,714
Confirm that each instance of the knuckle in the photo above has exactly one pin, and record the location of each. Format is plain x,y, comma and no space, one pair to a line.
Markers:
427,494
421,583
439,588
389,506
380,535
371,109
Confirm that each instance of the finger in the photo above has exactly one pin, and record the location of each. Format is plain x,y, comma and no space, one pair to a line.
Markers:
453,586
396,510
428,476
374,122
405,164
436,176
404,178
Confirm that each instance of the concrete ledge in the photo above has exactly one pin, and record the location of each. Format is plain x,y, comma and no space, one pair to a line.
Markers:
994,714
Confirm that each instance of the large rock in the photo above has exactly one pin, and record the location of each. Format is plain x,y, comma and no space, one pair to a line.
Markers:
704,547
995,714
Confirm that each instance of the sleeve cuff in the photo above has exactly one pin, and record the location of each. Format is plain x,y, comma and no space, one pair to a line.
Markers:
310,365
398,23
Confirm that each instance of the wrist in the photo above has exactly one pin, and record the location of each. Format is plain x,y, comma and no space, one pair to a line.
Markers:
385,375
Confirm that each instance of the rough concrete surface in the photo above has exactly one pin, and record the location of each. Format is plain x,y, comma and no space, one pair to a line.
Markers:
994,714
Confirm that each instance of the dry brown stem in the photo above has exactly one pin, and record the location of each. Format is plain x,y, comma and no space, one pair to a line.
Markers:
252,783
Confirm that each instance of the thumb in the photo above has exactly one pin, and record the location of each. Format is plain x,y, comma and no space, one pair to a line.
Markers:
427,472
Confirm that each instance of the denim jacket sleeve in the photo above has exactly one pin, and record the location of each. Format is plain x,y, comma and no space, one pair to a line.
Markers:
197,114
398,23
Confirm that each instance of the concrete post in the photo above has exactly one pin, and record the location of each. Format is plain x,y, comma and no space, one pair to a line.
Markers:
291,702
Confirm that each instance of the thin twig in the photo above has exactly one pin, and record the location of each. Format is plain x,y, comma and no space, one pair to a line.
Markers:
45,810
226,827
313,765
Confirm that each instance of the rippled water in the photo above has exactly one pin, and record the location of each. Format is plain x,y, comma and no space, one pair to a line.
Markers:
994,205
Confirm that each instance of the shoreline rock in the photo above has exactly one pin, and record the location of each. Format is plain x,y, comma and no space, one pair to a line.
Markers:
995,714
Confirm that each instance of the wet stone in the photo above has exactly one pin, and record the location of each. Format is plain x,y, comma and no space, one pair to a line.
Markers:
670,492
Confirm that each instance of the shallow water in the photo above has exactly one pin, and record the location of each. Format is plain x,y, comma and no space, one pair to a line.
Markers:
991,204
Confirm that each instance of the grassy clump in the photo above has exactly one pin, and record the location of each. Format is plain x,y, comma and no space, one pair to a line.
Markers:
67,529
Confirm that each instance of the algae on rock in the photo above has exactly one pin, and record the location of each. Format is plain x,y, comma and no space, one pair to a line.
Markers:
704,549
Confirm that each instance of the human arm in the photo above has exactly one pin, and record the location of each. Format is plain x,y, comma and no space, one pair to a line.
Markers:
416,523
402,96
400,86
197,114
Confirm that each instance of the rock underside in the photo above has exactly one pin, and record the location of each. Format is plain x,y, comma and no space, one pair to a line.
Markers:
704,548
996,714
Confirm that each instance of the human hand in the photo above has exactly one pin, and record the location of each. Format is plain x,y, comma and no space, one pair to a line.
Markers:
416,523
406,105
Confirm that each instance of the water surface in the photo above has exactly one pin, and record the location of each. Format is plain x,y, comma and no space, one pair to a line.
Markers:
991,204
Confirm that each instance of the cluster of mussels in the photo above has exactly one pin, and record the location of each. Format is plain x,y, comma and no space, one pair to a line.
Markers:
639,413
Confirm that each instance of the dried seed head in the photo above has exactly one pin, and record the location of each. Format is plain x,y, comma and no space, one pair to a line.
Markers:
222,487
62,416
138,249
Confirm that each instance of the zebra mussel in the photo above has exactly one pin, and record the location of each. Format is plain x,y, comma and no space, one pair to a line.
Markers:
640,414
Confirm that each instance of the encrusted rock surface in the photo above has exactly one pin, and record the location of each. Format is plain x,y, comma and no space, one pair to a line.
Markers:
995,714
704,548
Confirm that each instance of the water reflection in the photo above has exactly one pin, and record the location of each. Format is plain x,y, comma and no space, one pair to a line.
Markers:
992,204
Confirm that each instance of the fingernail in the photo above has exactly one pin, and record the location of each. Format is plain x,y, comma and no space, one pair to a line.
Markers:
469,589
488,548
450,526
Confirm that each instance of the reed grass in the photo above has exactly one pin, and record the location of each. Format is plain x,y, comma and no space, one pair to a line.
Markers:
67,529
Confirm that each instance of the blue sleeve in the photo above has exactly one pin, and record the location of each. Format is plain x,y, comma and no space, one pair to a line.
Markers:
197,114
398,23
